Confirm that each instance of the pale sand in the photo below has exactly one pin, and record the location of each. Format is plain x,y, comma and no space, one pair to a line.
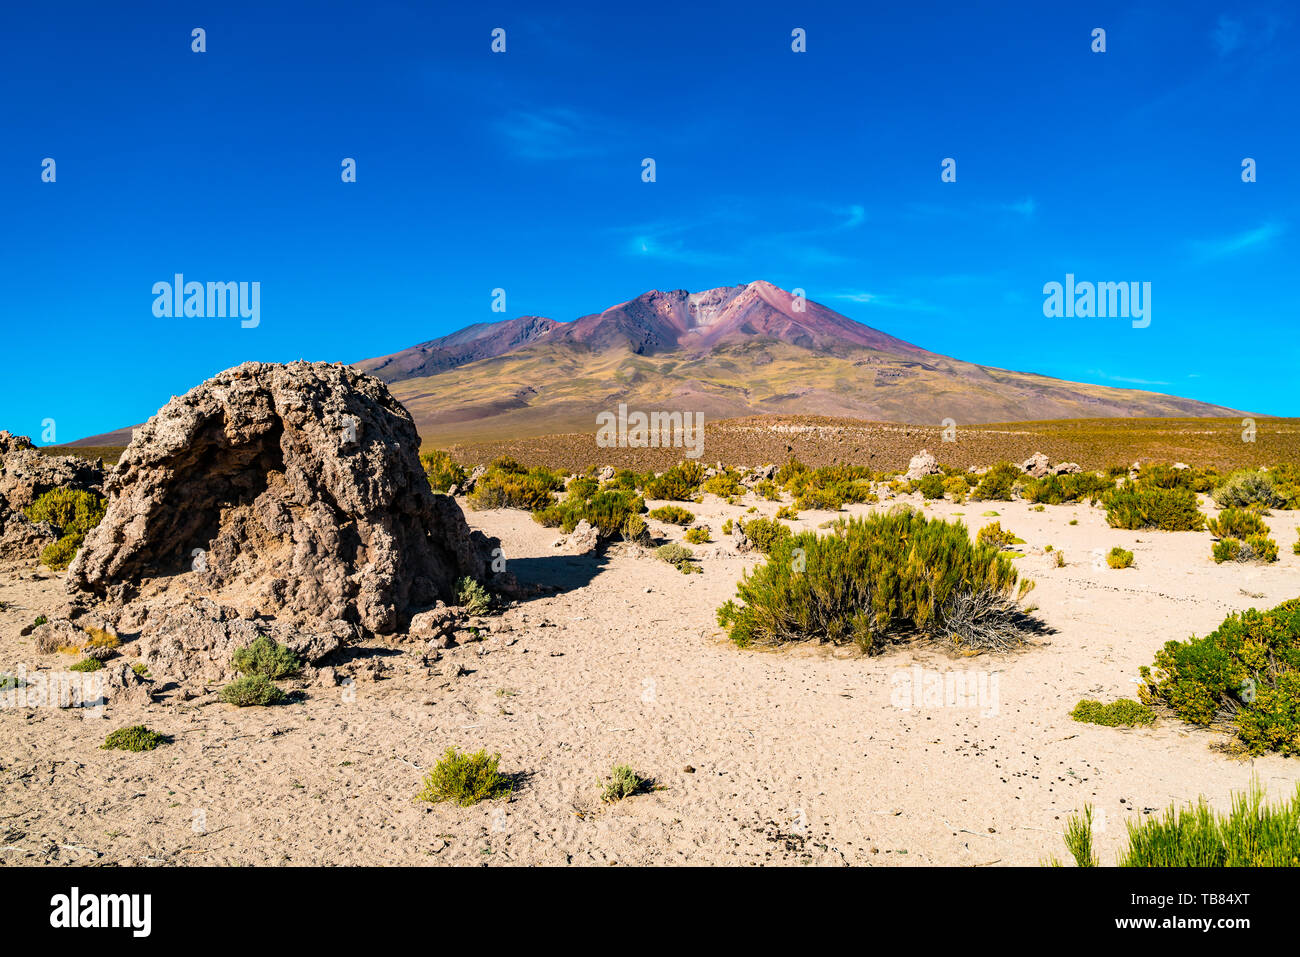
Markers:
800,756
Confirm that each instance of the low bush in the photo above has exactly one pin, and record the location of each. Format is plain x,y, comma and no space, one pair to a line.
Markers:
135,738
957,487
507,484
251,691
1252,548
73,514
473,596
1134,506
769,490
1252,834
678,484
787,512
1244,678
1075,487
879,578
1236,523
698,536
442,471
993,534
1166,476
931,486
1248,489
624,782
998,483
87,664
679,556
672,515
265,657
1122,713
1119,558
726,485
465,779
764,533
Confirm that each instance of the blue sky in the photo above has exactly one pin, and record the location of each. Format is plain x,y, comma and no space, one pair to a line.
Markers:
522,170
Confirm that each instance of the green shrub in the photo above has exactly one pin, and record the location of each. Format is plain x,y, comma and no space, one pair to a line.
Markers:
1253,548
135,738
635,529
1166,476
993,534
787,512
73,514
1243,677
726,485
1124,712
1252,834
764,533
698,536
265,657
1134,506
465,779
1236,523
679,556
727,526
678,484
610,511
768,489
442,471
87,664
1057,489
507,484
251,690
624,480
957,487
473,597
875,579
931,486
1248,489
672,515
998,483
623,783
1119,558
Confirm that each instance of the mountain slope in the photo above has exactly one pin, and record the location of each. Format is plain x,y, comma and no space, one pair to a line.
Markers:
482,340
727,352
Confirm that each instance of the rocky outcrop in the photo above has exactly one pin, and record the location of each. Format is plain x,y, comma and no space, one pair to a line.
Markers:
921,465
1036,466
26,473
283,494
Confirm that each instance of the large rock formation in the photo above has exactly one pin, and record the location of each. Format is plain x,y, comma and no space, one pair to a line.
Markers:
26,473
287,492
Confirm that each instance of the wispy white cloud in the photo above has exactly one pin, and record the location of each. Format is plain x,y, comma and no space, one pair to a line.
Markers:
1241,242
1127,380
885,301
554,133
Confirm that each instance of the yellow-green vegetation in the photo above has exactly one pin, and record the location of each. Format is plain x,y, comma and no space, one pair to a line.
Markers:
769,490
87,664
1236,523
764,533
930,486
1124,713
998,483
725,485
101,642
993,534
829,487
473,597
698,536
624,782
265,657
1256,489
73,514
877,579
1136,505
1252,834
1253,548
507,484
788,512
1243,678
1119,558
135,738
251,691
679,556
672,515
728,524
611,511
465,779
678,484
1060,559
1057,489
442,471
957,488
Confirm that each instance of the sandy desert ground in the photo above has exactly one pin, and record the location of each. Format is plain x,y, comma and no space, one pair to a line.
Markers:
801,756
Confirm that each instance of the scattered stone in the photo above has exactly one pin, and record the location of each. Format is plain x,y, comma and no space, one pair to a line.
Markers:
1066,468
1036,466
921,465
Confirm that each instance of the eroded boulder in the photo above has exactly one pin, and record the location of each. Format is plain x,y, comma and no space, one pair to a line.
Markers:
921,465
284,493
26,473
